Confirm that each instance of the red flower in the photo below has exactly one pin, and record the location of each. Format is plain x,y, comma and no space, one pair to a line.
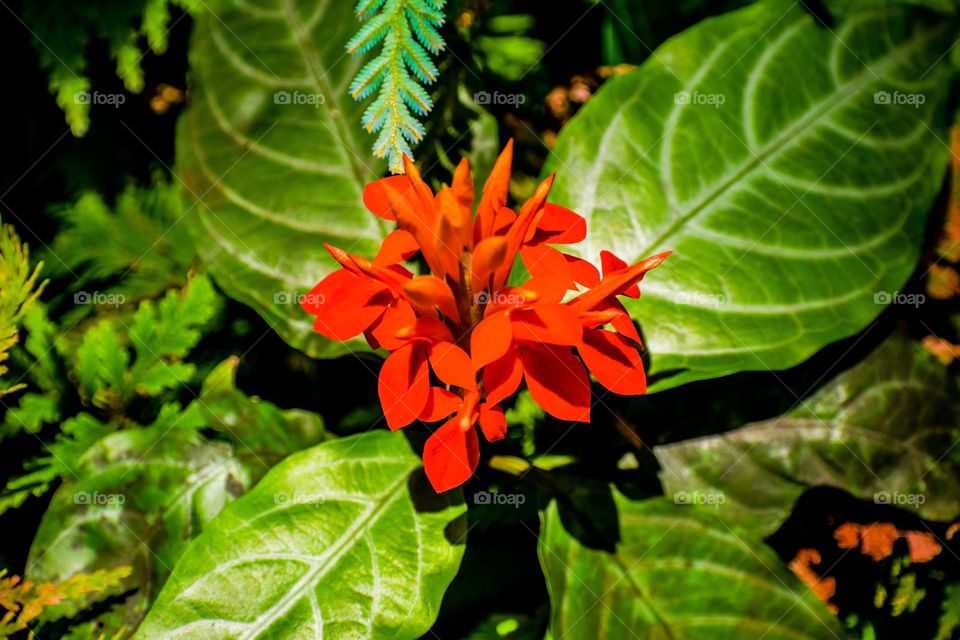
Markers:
465,328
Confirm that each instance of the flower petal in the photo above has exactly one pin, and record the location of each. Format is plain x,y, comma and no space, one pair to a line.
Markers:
617,282
494,194
492,422
421,188
448,233
548,323
557,381
614,362
378,198
451,455
429,293
611,264
502,377
404,385
394,321
490,339
560,225
398,246
487,257
452,365
463,189
517,233
345,304
440,404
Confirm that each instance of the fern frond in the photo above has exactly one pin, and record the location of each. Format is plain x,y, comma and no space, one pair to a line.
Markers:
26,601
408,33
18,290
62,36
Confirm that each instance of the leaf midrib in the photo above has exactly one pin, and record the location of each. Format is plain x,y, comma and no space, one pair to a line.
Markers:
297,591
790,134
310,58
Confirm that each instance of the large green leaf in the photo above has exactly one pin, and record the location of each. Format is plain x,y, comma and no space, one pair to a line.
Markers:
754,146
677,573
343,540
272,146
883,430
261,432
137,497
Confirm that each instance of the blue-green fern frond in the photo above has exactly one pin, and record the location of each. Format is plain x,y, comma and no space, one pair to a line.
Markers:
407,32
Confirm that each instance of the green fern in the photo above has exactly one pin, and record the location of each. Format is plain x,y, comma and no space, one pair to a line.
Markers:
153,254
409,33
18,290
63,32
161,334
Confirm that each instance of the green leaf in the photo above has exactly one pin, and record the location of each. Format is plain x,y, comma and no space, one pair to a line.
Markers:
789,167
136,497
257,428
950,619
882,430
273,172
677,573
342,540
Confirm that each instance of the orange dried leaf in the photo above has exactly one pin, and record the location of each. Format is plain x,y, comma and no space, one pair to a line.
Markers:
25,601
952,531
949,245
823,588
943,282
923,546
946,352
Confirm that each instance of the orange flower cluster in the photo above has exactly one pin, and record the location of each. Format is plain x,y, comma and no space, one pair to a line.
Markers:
479,336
